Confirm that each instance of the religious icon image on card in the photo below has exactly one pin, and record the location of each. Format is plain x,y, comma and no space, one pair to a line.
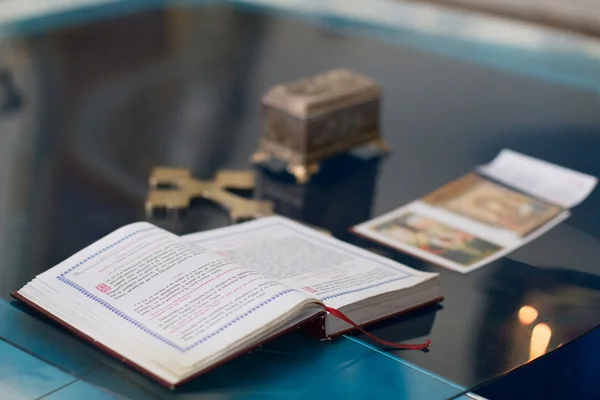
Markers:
436,238
493,204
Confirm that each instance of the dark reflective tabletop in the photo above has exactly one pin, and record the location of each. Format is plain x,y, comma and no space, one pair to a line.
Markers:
89,109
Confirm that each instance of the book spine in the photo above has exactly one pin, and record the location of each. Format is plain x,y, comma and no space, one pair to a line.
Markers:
316,328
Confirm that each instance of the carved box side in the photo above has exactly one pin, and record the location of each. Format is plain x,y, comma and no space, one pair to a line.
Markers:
284,135
341,130
317,117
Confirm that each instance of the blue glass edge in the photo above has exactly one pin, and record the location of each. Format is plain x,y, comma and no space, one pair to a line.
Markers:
404,362
76,16
572,68
24,376
24,332
575,68
82,390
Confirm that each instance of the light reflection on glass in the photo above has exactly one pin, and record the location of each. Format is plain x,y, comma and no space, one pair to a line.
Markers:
540,339
527,315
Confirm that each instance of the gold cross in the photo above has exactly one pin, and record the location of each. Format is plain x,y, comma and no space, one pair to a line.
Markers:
182,187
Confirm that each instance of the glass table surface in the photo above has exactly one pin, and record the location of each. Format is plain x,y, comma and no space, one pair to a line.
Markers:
93,99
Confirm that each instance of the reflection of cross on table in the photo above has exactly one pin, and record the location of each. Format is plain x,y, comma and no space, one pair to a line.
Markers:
174,188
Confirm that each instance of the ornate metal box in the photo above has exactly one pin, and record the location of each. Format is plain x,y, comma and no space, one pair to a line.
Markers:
312,119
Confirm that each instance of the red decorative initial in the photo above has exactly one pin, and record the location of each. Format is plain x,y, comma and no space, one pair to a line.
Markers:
103,287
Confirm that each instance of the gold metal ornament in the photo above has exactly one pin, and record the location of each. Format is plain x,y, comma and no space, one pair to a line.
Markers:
174,189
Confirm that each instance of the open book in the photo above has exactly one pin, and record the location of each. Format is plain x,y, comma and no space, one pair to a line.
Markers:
176,307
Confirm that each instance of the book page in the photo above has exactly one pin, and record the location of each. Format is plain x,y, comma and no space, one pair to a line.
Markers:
446,238
321,266
159,292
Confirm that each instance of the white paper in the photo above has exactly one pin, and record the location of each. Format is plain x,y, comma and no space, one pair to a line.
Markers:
549,182
320,266
430,243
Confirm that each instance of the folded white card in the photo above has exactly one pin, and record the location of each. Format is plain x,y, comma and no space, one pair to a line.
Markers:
546,181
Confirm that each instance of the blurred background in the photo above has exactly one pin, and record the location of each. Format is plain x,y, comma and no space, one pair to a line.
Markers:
94,93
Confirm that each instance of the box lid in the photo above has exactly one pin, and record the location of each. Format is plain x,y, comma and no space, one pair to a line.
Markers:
322,93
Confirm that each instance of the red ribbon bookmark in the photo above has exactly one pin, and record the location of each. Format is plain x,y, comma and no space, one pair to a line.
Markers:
340,315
